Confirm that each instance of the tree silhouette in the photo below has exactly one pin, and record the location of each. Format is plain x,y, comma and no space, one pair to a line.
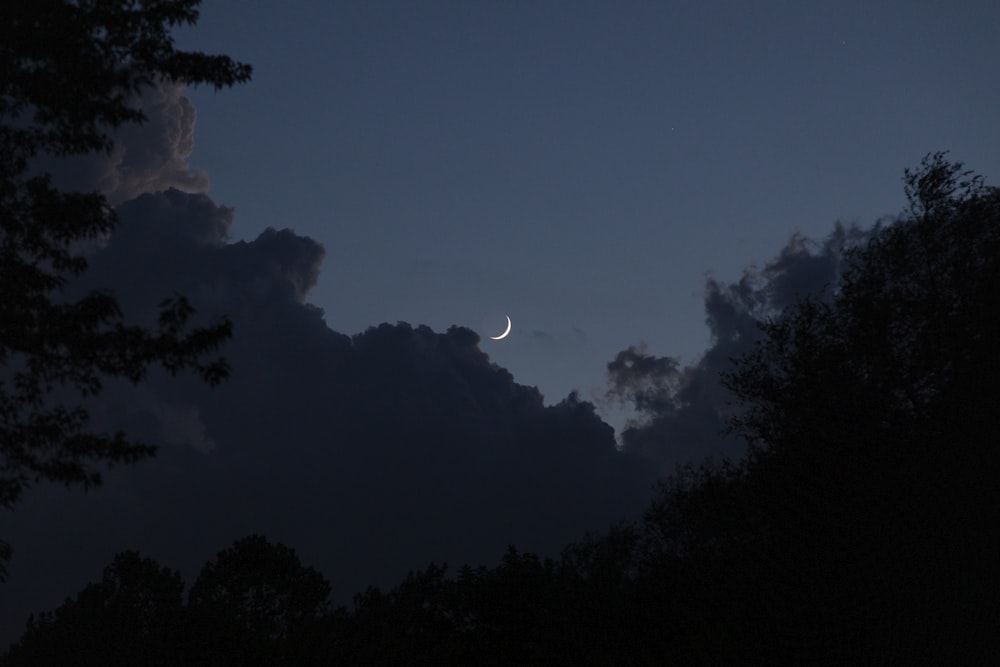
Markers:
134,616
872,454
69,75
908,335
252,601
254,604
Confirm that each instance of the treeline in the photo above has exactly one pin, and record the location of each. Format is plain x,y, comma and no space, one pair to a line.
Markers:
862,527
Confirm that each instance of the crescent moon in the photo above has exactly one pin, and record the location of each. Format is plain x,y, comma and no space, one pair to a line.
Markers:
504,334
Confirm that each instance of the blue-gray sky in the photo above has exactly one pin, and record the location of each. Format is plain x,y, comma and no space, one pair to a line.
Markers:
580,165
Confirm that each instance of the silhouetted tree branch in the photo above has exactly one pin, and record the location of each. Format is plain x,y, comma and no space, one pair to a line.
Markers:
69,75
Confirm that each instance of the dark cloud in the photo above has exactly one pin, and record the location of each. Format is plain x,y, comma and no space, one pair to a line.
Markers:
371,454
681,412
146,158
642,379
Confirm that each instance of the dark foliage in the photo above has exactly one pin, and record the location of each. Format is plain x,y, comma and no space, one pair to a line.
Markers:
255,604
69,73
252,602
134,616
873,456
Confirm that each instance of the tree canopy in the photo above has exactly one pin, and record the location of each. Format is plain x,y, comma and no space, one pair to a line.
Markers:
253,599
247,607
873,455
70,74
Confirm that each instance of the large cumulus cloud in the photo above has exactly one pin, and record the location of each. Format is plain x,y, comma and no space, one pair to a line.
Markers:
148,157
370,454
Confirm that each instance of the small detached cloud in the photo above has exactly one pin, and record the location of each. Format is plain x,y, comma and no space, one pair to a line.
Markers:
541,337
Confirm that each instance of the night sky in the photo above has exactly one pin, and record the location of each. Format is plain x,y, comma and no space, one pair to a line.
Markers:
609,175
581,166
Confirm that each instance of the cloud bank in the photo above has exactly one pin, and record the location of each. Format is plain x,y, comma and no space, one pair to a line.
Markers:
371,454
